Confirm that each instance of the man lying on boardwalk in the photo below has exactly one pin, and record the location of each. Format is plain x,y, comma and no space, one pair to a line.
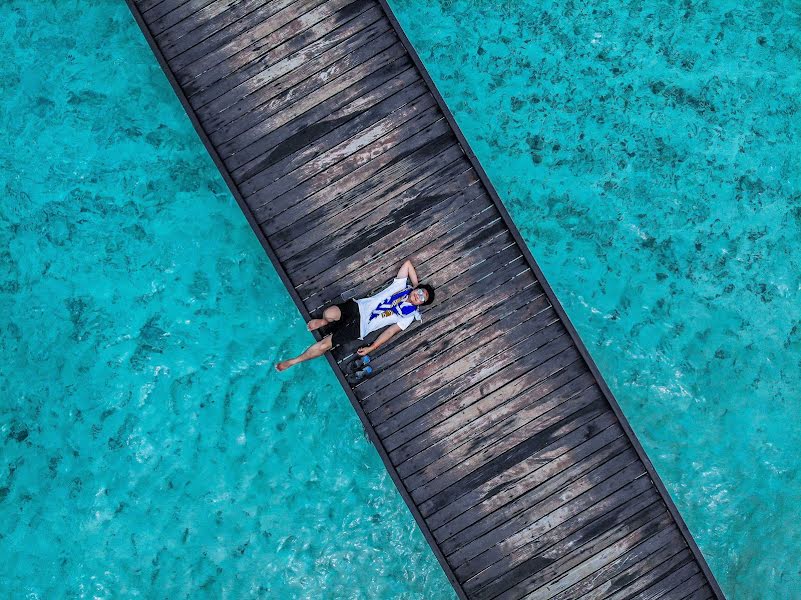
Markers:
394,307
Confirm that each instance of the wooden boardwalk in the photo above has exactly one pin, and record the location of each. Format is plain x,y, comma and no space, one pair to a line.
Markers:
492,419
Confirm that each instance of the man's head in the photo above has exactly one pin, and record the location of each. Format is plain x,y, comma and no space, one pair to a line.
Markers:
422,295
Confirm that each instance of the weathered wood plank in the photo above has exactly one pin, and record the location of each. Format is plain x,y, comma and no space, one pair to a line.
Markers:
222,26
447,517
548,564
492,412
518,514
273,163
158,11
191,10
418,113
476,519
704,592
242,129
344,157
622,575
441,332
403,164
395,219
665,586
415,404
409,163
478,231
648,539
260,35
593,577
146,5
219,88
235,36
560,383
515,448
289,96
494,344
654,570
547,530
465,324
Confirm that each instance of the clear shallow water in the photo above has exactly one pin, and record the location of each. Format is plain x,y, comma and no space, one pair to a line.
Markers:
146,447
650,154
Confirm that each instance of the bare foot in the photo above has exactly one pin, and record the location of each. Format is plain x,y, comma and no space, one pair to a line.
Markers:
283,366
315,324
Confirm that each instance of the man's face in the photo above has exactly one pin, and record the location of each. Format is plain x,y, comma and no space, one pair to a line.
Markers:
418,296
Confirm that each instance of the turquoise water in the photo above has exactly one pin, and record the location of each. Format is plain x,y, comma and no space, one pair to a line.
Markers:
650,153
147,449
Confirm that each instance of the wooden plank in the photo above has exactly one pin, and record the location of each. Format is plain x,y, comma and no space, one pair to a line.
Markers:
160,10
547,530
515,516
272,163
460,329
645,540
415,404
550,563
702,593
146,5
593,578
232,25
191,32
478,519
447,517
622,575
233,63
482,226
405,165
440,371
216,91
454,328
350,248
689,587
194,10
434,203
513,449
436,372
657,571
664,587
241,129
258,34
418,113
341,159
491,412
345,179
291,95
541,399
579,503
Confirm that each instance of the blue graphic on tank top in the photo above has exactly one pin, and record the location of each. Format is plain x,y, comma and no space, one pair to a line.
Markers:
394,304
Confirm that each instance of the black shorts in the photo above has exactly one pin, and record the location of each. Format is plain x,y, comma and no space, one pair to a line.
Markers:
347,328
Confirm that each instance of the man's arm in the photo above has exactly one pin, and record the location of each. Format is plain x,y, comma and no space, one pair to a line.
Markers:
382,339
407,270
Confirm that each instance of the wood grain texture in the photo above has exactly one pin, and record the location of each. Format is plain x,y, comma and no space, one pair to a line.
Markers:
490,416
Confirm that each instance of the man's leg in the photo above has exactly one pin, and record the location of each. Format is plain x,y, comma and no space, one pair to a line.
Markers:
330,314
313,351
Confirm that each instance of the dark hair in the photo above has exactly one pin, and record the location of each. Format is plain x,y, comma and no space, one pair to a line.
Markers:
430,290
